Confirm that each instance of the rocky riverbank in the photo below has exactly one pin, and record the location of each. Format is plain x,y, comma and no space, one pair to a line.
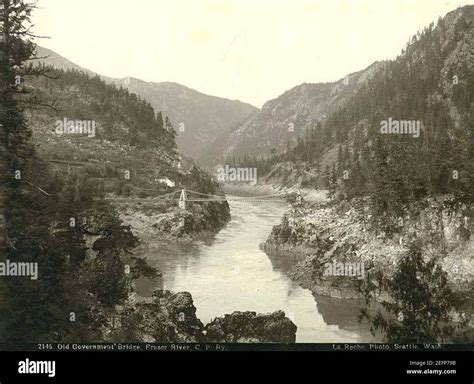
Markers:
321,241
164,220
265,189
171,317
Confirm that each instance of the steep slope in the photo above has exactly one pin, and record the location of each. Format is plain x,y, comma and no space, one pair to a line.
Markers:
47,56
282,120
96,123
198,118
431,84
397,160
115,143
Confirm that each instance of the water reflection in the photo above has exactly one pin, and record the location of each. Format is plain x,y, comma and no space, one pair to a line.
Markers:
231,273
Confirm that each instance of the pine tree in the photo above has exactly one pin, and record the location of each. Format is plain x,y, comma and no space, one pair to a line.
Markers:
14,51
46,221
331,179
420,305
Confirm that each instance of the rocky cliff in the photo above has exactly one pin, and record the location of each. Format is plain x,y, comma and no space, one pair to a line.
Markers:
318,239
171,317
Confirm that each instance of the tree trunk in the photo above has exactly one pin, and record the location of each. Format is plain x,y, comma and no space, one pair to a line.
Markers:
3,191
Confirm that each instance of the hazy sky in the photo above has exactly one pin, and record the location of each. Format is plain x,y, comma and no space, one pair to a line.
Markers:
251,50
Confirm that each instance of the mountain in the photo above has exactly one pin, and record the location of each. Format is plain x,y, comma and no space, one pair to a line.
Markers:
396,161
198,118
407,134
281,121
102,129
47,56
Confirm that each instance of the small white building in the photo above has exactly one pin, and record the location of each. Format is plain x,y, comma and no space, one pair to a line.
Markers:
166,181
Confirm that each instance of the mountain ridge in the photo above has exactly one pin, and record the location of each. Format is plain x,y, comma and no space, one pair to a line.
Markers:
282,120
429,82
183,105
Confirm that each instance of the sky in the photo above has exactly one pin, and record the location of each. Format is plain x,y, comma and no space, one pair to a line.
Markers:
250,50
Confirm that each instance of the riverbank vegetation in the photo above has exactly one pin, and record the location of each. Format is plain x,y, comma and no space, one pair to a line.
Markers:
391,190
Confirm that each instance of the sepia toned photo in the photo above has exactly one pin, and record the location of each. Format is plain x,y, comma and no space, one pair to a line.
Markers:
236,175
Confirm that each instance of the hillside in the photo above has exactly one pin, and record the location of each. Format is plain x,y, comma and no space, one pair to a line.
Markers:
202,117
49,57
283,120
430,84
397,161
127,134
197,118
119,146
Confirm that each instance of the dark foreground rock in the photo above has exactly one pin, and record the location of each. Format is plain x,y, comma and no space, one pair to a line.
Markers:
249,327
164,317
171,317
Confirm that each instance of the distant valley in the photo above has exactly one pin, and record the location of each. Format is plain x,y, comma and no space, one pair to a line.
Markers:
197,118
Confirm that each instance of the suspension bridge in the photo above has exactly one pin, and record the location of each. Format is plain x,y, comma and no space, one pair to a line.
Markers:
183,196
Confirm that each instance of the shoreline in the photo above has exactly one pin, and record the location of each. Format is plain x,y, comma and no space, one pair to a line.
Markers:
308,194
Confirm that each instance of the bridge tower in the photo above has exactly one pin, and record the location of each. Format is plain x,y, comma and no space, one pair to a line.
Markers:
182,199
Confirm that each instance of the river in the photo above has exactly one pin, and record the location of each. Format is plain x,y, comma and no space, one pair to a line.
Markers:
231,273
